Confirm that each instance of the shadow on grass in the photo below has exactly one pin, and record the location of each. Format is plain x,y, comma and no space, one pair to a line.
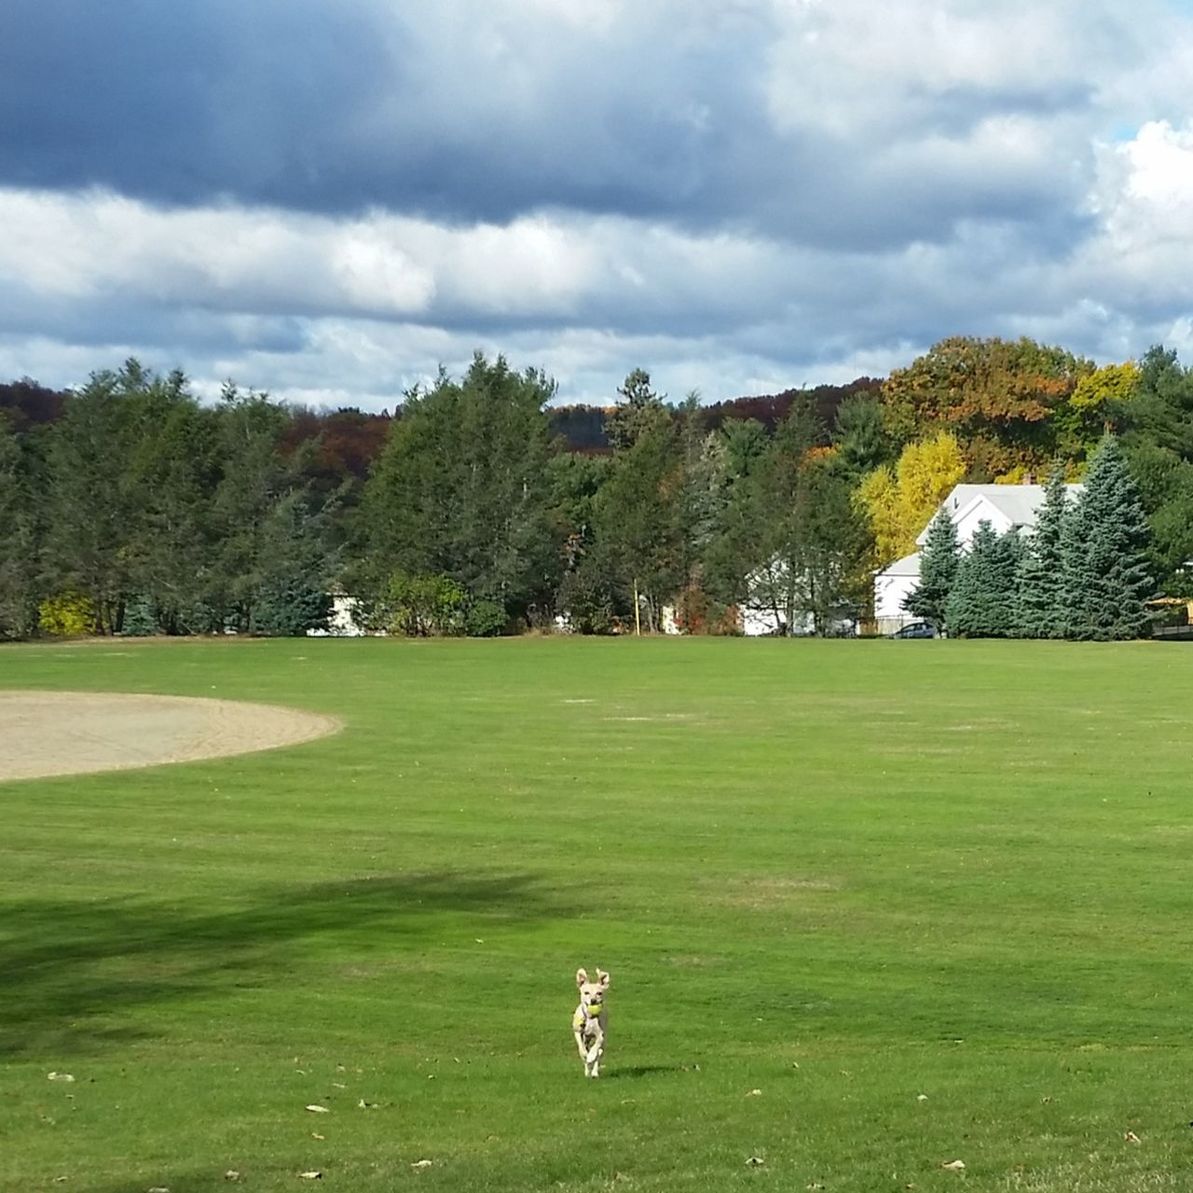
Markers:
205,1181
72,970
644,1071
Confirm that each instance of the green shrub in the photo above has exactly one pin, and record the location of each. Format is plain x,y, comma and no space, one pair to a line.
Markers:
484,619
586,602
422,606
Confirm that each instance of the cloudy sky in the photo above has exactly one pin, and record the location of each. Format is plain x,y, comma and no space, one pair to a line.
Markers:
327,201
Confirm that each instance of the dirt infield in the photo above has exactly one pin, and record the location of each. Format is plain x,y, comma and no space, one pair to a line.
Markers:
71,733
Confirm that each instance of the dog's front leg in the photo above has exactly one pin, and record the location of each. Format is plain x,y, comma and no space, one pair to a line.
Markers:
582,1050
592,1062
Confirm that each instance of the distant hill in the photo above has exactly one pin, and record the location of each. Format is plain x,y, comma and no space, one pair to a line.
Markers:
771,409
583,427
29,404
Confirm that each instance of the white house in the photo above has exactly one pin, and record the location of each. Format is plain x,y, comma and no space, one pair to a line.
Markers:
343,622
1005,507
775,602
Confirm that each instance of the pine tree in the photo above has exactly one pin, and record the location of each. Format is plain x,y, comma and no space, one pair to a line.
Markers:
462,488
91,500
982,601
19,502
1039,610
938,571
1106,575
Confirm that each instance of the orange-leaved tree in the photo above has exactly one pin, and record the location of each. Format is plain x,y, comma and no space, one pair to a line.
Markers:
999,397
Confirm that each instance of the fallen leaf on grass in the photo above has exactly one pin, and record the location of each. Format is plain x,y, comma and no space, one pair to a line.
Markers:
422,1163
754,1093
159,1189
366,1105
954,1165
921,1097
60,1076
1131,1137
338,1085
316,1135
313,1175
231,1175
754,1161
315,1108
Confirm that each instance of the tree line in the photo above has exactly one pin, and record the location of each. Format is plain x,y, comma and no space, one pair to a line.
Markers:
129,506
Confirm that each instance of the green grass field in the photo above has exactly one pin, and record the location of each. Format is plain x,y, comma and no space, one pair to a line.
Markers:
934,901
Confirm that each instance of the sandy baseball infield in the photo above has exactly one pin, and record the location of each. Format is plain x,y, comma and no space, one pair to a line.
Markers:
71,733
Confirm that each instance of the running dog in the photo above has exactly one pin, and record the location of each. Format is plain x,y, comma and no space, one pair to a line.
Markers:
590,1021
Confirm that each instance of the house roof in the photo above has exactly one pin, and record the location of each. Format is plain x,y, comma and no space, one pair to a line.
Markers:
909,565
1017,503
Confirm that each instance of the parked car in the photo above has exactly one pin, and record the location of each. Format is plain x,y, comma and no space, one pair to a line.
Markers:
916,629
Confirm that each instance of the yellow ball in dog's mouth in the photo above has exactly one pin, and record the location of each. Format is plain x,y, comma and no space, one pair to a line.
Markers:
594,1009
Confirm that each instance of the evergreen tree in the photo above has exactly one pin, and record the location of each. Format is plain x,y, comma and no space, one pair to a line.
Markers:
172,476
1039,608
272,566
1106,573
584,596
463,486
939,562
20,501
860,435
777,581
982,601
834,547
642,410
92,514
736,544
638,522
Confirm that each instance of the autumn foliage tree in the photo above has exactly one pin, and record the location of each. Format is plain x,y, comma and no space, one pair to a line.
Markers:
997,396
899,501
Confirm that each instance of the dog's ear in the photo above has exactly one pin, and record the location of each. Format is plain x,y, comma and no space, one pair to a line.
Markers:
603,979
581,977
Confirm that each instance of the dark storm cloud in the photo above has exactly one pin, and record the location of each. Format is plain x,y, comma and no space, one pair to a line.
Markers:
333,108
337,109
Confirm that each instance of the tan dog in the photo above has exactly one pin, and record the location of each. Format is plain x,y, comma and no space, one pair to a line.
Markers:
590,1020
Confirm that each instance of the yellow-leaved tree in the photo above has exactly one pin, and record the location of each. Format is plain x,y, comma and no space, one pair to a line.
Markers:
900,501
1098,402
1102,388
